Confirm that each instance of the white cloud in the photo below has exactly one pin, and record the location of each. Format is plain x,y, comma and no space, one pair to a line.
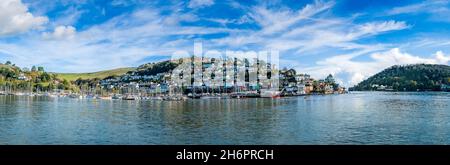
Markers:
377,27
15,18
359,70
120,3
430,6
395,56
309,30
200,3
441,58
127,39
438,10
242,20
306,29
61,32
69,16
273,21
334,33
356,78
123,41
344,38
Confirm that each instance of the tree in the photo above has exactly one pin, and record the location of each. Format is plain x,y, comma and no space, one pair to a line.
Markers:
8,63
41,69
54,76
423,77
45,77
8,73
66,84
329,79
51,86
155,68
33,69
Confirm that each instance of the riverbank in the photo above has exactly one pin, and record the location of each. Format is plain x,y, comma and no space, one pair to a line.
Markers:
168,97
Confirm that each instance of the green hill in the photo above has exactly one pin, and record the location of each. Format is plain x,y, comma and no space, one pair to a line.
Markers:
417,77
3,66
9,71
155,68
100,74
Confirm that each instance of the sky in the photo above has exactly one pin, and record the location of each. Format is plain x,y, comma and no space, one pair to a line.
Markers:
350,39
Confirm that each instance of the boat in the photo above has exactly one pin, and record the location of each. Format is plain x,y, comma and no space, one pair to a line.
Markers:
270,93
300,93
75,96
130,97
210,97
115,97
156,98
19,94
50,95
238,95
194,96
175,98
252,94
104,97
90,96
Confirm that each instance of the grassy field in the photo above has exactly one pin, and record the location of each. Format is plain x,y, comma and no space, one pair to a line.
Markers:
100,74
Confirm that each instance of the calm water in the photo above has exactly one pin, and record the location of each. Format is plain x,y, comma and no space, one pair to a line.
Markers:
357,118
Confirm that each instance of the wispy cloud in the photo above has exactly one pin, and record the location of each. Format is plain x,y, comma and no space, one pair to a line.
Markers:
437,9
200,3
312,37
306,29
431,6
122,41
273,21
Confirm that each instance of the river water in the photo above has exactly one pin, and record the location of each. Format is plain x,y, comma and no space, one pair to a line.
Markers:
355,118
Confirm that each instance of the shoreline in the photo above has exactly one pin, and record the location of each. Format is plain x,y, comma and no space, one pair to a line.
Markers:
165,97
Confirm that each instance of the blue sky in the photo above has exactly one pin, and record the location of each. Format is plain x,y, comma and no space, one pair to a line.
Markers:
350,39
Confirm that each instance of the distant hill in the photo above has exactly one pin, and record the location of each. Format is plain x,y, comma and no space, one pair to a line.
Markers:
145,69
155,68
99,75
3,66
422,77
9,71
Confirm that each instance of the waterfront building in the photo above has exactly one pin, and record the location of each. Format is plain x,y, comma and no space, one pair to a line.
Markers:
23,77
301,88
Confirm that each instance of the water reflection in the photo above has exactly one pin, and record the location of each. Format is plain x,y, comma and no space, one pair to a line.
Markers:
358,118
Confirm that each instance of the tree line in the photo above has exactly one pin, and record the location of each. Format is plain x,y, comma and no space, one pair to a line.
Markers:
416,77
14,79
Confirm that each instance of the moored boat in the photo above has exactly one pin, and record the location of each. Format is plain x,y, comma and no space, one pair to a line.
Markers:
115,97
156,98
194,95
270,93
76,96
130,97
105,97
